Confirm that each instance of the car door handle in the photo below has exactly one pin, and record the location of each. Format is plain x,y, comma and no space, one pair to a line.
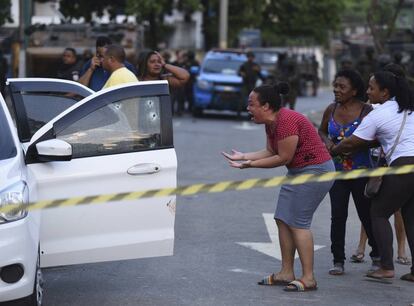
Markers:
144,169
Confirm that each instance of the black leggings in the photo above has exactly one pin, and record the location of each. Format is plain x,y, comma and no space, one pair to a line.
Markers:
339,194
397,191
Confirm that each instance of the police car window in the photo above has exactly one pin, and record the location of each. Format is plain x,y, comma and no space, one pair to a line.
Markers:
7,147
41,107
128,125
227,66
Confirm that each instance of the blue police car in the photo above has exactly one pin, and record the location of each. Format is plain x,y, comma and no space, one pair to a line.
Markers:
218,85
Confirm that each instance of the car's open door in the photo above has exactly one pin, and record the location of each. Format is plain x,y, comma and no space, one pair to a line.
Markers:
35,101
120,141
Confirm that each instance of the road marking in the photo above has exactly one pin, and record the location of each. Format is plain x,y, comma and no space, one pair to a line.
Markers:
237,270
247,126
272,248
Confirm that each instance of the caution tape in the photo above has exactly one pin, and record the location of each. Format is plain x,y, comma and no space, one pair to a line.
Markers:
212,188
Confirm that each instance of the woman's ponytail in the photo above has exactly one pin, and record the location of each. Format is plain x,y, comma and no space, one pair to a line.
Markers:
398,87
403,94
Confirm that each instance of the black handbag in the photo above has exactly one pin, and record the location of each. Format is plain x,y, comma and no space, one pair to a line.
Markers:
373,186
374,183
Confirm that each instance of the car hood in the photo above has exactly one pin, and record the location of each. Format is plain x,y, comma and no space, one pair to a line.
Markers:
221,78
10,172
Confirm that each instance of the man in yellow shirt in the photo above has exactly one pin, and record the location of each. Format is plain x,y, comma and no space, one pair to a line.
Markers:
113,61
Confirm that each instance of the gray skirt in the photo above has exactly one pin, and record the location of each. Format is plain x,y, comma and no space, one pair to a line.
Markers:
297,203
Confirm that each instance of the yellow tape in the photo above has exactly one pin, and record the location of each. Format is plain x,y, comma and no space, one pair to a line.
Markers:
213,188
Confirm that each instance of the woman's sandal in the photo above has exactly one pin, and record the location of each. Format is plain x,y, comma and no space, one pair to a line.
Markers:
272,281
299,286
357,257
403,260
379,277
408,277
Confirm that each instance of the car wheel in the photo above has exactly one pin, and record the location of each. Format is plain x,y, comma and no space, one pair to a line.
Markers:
36,298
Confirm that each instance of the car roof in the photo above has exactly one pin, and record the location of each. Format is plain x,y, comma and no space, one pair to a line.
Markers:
268,49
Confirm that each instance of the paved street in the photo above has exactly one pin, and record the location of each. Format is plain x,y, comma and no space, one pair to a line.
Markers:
210,266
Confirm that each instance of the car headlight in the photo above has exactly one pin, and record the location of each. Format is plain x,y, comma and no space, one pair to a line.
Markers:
203,84
16,194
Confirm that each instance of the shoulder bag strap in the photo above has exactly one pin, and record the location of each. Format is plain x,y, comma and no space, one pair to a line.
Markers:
398,136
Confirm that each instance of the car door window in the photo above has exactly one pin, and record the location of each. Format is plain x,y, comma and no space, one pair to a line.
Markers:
41,107
128,125
7,146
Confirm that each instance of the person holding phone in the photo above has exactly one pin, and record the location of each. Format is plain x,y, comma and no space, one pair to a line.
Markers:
92,74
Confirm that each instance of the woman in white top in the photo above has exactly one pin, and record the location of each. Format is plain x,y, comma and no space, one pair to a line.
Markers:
383,125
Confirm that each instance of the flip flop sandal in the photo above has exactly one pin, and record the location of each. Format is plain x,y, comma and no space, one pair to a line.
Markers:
403,261
271,281
299,286
378,279
408,277
357,257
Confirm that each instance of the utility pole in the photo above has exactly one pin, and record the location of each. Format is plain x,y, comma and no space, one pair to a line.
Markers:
25,13
223,23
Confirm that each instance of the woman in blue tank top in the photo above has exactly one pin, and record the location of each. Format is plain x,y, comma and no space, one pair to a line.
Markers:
339,121
338,132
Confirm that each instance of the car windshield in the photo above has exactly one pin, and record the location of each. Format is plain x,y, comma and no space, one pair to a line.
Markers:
222,66
266,57
7,146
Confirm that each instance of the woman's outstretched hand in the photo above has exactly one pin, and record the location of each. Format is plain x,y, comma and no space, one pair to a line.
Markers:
235,155
241,165
234,159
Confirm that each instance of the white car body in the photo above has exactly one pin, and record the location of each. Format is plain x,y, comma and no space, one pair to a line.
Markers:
121,139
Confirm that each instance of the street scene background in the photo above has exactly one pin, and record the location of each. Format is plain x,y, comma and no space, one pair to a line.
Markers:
224,242
209,267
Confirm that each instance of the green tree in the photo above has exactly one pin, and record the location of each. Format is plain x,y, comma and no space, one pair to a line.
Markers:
5,13
242,14
301,21
381,17
152,13
85,8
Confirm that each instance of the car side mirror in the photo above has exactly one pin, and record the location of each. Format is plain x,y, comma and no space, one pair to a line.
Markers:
54,150
194,70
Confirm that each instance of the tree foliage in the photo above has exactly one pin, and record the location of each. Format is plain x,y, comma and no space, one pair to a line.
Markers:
75,9
152,13
281,21
287,21
5,11
381,17
242,14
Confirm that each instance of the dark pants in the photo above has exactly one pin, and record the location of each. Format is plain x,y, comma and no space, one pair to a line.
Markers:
397,191
339,195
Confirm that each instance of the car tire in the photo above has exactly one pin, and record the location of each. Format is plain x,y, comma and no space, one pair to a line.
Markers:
197,111
36,298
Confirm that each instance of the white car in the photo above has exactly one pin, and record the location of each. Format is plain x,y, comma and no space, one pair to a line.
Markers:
59,140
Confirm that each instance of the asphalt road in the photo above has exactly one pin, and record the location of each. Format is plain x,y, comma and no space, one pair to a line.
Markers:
209,266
